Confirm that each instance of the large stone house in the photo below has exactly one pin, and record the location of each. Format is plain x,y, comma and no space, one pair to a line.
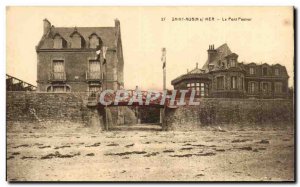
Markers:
67,59
223,76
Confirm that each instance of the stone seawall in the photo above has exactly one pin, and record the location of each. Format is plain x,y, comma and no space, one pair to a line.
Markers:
231,111
31,106
20,106
71,106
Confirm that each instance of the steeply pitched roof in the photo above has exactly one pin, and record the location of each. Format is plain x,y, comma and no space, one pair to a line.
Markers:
107,35
222,52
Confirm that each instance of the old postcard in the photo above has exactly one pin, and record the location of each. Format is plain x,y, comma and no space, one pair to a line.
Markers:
150,94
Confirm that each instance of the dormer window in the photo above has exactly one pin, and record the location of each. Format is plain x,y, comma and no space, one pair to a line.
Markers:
94,41
252,71
57,42
276,71
265,71
232,62
77,39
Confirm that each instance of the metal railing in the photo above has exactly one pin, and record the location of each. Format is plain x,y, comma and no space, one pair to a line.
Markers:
93,75
57,76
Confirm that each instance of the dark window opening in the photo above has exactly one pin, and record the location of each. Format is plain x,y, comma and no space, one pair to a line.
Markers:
220,83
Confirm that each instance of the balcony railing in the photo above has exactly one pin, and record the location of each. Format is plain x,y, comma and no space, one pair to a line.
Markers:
90,76
57,76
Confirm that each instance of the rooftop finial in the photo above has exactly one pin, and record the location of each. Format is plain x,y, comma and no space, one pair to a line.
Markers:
197,65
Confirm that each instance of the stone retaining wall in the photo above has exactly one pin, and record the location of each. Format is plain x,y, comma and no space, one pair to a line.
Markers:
231,111
20,106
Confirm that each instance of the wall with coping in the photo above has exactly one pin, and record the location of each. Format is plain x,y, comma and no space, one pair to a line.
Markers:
20,106
219,111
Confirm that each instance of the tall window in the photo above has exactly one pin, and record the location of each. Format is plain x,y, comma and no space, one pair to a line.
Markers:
276,72
242,82
202,89
233,82
278,87
265,87
252,71
94,69
251,88
232,62
265,71
220,83
58,69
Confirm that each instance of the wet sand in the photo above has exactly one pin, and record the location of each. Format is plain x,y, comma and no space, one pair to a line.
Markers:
52,152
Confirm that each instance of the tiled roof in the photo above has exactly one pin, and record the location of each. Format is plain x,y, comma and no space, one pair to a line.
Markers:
196,70
107,35
222,52
190,76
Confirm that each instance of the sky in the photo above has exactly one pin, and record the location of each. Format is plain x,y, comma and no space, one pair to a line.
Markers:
267,38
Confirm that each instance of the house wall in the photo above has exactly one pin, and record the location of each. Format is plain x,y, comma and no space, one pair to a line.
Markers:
228,91
76,65
271,82
243,91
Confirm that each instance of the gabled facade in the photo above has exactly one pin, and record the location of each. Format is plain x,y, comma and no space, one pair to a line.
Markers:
223,76
67,59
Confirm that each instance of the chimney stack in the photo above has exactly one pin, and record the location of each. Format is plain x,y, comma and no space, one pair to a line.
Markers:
118,29
117,23
212,53
197,65
47,26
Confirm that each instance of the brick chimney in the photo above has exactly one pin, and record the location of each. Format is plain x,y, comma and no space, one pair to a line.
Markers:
117,26
47,26
117,23
212,53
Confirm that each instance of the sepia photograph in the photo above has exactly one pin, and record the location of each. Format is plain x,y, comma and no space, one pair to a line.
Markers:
150,94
